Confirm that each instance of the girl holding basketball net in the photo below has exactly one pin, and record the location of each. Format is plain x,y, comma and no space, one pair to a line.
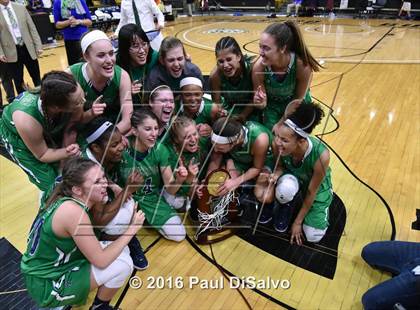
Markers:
245,148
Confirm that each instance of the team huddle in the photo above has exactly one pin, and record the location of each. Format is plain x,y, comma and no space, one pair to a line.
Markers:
129,136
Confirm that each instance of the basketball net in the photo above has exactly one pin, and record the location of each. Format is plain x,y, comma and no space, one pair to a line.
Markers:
215,220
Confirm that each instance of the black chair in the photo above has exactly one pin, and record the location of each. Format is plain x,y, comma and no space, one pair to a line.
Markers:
378,6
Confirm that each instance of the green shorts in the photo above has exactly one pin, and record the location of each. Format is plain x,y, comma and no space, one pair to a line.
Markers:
156,209
71,289
42,175
317,216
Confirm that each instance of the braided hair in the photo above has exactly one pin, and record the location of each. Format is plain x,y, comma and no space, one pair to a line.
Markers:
232,45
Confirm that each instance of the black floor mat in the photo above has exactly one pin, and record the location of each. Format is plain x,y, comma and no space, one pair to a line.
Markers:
320,258
13,294
3,151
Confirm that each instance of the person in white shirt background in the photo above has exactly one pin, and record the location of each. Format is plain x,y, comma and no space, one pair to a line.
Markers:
20,43
147,10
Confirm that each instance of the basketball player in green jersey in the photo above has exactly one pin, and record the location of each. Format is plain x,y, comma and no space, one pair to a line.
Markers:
249,149
231,81
100,77
64,260
195,106
282,73
162,104
307,159
136,57
143,155
183,150
105,147
36,127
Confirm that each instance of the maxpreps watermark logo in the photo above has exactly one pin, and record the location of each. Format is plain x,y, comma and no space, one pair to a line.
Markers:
224,31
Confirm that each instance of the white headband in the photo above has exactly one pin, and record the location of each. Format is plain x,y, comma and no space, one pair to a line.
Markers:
223,140
91,37
190,81
159,87
98,132
296,128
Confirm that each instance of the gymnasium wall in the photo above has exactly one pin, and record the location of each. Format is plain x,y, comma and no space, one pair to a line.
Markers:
392,4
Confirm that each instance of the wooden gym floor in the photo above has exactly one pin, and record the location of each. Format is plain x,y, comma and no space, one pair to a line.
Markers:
371,84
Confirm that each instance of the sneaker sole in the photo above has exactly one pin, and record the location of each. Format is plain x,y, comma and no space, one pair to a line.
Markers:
138,268
266,221
280,230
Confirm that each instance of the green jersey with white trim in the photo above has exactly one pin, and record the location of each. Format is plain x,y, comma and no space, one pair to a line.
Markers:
149,165
203,116
317,215
47,255
30,103
241,155
111,92
236,96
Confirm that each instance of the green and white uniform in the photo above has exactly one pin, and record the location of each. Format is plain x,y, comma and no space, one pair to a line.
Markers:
140,74
235,97
149,197
317,216
56,272
203,116
40,174
111,92
167,150
279,94
242,156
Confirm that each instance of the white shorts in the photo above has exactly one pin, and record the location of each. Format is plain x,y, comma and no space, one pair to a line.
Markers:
118,225
117,272
175,201
406,6
313,234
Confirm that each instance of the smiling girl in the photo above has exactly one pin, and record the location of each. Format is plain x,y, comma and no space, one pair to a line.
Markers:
105,147
282,73
64,260
35,127
195,106
307,159
231,80
185,156
162,104
173,66
136,57
155,169
104,81
248,148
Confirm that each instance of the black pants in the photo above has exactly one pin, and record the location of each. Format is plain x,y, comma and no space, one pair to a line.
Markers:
6,80
73,51
16,69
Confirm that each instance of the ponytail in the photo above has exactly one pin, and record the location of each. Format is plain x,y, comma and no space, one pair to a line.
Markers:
300,47
288,34
74,171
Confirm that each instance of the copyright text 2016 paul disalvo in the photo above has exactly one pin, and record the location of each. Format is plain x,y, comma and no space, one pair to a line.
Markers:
190,282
